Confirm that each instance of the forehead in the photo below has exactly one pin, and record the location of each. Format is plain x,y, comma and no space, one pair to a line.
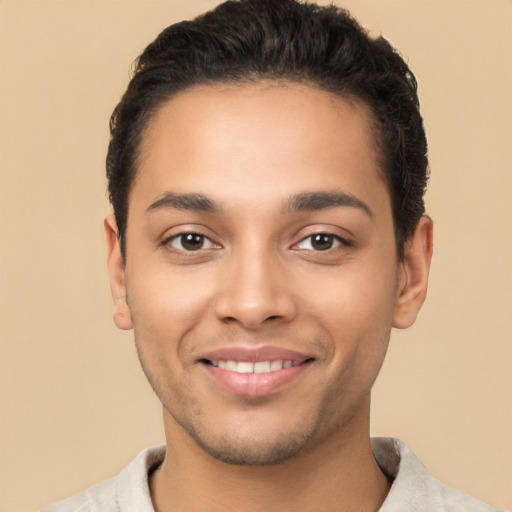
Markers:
267,137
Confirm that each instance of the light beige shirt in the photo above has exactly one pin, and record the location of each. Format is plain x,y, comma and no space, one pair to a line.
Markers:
413,488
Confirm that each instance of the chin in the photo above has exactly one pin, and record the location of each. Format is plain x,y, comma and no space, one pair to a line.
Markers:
251,440
252,451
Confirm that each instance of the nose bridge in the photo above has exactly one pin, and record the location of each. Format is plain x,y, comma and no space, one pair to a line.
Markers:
254,289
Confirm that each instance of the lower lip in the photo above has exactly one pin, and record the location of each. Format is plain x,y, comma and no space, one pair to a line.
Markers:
255,384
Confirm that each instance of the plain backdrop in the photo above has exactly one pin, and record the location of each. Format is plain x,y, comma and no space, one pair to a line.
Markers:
74,405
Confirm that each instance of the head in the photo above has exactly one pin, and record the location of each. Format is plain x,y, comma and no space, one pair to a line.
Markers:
248,41
266,169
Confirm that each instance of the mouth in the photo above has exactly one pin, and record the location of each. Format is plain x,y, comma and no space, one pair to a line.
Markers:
255,373
255,367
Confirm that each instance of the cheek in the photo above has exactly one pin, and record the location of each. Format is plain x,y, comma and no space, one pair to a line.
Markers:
176,290
357,310
166,304
359,297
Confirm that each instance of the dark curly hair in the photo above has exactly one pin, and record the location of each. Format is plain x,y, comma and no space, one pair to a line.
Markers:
244,41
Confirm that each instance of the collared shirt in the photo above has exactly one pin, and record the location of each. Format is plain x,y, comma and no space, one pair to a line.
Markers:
413,489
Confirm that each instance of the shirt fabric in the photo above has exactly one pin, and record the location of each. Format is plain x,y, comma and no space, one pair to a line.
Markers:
413,489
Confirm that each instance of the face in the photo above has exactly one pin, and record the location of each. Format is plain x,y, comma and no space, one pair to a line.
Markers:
261,275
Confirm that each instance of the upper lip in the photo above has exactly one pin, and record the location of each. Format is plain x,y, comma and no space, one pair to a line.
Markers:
255,354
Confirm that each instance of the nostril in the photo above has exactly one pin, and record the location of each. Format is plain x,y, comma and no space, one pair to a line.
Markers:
229,319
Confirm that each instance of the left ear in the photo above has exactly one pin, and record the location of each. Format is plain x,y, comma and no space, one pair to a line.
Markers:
413,274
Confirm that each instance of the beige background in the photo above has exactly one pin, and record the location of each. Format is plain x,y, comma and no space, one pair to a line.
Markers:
74,406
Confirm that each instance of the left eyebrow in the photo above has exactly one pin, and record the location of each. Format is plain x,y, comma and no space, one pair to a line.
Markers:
191,202
323,200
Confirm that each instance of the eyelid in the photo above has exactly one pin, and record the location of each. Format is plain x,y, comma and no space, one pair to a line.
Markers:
337,242
208,242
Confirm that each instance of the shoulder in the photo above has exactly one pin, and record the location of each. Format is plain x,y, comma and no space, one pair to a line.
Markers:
128,491
96,498
413,488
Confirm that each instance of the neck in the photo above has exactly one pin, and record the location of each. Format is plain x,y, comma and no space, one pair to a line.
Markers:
337,474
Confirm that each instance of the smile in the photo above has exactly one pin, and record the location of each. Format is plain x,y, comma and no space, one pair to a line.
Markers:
254,367
255,373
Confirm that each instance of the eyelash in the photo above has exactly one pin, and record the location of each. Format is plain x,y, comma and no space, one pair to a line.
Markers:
333,242
181,238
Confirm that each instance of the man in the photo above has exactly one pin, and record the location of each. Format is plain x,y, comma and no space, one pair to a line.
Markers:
266,169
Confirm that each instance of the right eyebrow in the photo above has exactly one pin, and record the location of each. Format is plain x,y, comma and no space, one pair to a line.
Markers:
191,202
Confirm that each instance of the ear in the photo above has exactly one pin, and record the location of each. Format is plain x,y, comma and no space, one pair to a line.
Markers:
115,265
413,274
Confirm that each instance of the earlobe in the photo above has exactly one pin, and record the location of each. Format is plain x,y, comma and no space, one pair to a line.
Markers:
414,271
116,271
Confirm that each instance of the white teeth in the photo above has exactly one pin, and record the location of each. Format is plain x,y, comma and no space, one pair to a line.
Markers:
244,367
262,367
276,365
258,367
231,366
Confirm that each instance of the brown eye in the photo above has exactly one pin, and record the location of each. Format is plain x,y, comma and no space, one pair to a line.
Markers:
321,242
190,242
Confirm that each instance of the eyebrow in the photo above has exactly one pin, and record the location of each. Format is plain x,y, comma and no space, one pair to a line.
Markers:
191,202
306,201
310,201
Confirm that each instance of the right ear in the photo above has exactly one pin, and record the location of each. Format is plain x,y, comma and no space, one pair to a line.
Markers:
115,265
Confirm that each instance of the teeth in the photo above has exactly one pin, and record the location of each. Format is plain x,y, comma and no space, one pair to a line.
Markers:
258,367
262,367
276,365
231,366
244,367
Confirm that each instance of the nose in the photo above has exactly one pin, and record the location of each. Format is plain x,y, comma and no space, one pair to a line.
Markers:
255,291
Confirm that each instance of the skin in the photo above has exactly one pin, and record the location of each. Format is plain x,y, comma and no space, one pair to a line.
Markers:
259,280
